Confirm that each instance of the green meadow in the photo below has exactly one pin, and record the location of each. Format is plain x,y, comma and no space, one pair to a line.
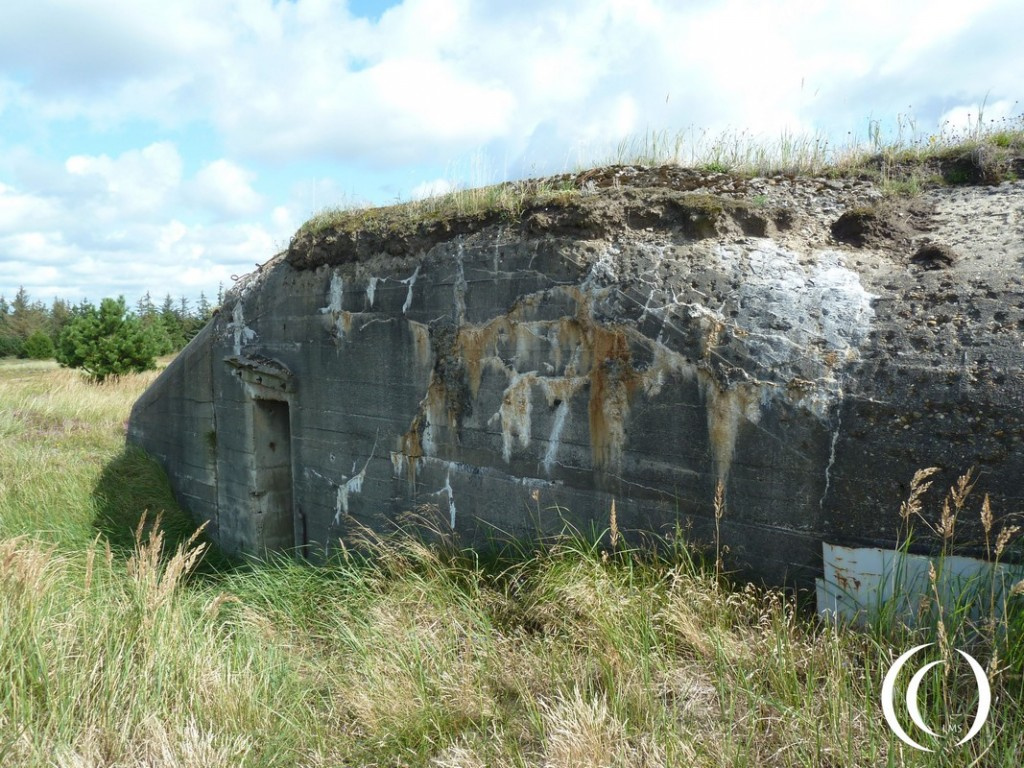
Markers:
126,640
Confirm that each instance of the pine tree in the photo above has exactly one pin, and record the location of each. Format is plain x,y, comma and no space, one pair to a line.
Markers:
38,346
173,326
109,341
60,315
145,307
27,316
10,344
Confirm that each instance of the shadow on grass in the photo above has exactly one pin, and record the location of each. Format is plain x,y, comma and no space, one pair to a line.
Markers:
133,486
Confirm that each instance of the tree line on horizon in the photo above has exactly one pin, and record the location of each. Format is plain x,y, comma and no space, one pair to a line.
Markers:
31,329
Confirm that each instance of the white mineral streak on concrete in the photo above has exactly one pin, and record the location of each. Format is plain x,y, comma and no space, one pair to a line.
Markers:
409,281
335,295
555,342
421,340
515,412
447,490
460,287
427,440
560,390
784,307
474,470
335,298
554,442
241,332
371,289
603,269
353,485
399,463
496,257
435,415
831,458
526,335
846,307
798,323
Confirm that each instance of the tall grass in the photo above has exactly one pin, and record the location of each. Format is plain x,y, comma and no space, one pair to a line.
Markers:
121,645
885,152
902,159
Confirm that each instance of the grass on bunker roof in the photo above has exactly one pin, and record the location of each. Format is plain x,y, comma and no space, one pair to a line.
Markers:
128,646
902,163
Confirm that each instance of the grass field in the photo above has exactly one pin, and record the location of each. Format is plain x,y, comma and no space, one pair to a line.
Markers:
135,645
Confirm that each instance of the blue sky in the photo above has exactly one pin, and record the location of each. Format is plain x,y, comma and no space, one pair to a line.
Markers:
165,147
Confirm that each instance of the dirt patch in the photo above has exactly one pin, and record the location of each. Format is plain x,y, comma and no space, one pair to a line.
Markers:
980,165
934,256
887,225
599,208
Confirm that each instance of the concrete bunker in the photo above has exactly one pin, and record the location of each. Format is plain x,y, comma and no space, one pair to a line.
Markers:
521,376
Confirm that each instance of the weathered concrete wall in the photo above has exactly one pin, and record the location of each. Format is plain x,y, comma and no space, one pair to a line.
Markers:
176,421
641,343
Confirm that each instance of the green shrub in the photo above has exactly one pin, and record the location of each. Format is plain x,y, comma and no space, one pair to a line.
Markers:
38,346
108,341
10,345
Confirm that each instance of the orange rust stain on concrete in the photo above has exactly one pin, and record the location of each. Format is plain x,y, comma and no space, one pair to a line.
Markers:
592,352
515,412
477,343
612,382
433,414
412,446
726,409
560,389
421,341
568,340
574,350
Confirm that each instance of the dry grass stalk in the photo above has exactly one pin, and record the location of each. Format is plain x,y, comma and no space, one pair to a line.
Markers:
213,609
954,503
581,732
986,524
613,526
918,486
144,567
1005,535
90,562
24,567
959,492
155,744
719,506
947,521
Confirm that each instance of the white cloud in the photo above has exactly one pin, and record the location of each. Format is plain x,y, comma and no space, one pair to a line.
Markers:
225,188
132,223
137,181
532,86
434,188
19,210
964,119
306,78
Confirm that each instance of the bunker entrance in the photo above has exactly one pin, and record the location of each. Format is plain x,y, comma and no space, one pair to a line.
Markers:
272,475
